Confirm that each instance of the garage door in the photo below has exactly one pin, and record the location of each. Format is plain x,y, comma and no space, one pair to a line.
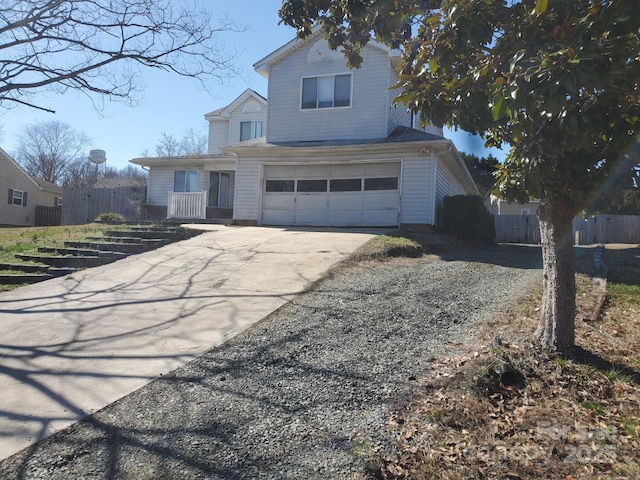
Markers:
365,194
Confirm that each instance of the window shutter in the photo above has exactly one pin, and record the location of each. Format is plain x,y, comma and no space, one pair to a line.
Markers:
24,199
10,196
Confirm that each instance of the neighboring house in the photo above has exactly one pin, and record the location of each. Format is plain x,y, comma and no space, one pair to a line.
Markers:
23,193
504,207
328,149
49,194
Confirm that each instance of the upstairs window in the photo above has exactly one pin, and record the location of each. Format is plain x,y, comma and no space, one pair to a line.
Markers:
250,130
185,181
17,197
328,91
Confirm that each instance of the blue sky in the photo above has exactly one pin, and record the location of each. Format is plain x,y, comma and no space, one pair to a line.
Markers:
172,104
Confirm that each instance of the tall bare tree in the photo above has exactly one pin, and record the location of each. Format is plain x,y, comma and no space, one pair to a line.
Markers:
167,146
192,142
49,150
99,46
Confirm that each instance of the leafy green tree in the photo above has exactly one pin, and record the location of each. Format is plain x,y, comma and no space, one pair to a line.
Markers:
620,194
483,171
557,81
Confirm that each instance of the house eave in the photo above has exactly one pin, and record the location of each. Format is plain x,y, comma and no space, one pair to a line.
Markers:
280,150
183,161
451,157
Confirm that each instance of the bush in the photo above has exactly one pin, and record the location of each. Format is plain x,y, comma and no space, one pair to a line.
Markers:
110,217
466,217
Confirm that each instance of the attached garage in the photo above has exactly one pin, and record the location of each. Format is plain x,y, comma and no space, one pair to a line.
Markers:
340,194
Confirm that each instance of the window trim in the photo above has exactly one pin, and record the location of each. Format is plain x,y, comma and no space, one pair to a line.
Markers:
252,127
317,108
18,201
186,174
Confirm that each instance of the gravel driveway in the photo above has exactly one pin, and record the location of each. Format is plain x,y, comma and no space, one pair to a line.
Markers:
295,396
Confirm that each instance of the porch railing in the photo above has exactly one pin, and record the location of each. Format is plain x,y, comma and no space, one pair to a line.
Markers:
191,205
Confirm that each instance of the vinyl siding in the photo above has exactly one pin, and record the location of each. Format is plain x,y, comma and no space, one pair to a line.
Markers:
47,199
446,186
15,178
238,116
366,118
248,184
398,114
161,183
218,135
417,190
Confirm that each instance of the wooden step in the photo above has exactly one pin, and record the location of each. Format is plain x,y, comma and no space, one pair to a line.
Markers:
173,236
122,248
20,278
74,262
24,267
76,252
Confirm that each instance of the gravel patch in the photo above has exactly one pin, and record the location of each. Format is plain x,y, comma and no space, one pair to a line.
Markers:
294,396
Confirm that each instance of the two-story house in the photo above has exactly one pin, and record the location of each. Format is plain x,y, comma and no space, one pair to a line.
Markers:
328,149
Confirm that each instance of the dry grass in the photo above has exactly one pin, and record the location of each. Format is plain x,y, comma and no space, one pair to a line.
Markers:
565,420
28,239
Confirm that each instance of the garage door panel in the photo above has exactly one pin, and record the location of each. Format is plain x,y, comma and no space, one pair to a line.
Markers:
312,217
380,200
380,218
382,169
346,171
278,217
279,172
278,201
313,171
346,200
318,201
345,218
347,208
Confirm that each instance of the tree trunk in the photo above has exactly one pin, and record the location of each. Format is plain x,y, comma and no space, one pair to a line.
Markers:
556,330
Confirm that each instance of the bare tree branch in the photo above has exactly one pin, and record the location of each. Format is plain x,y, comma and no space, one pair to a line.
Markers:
100,46
48,150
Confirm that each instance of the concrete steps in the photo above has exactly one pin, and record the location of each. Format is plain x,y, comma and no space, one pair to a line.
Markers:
95,251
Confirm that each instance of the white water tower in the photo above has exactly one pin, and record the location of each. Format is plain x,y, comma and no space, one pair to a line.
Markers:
98,157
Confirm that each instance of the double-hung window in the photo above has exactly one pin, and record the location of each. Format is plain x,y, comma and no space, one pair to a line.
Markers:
17,197
185,181
250,130
329,91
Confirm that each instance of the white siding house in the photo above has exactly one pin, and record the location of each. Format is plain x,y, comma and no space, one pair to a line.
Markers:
328,149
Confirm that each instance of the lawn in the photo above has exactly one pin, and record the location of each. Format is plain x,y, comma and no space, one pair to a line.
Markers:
28,239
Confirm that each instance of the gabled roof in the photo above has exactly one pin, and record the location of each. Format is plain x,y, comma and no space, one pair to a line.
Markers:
262,66
47,186
6,156
225,112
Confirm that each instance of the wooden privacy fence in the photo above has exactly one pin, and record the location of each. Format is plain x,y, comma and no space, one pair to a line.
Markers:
83,205
48,216
586,231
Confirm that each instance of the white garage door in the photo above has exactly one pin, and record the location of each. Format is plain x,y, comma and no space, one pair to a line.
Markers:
365,194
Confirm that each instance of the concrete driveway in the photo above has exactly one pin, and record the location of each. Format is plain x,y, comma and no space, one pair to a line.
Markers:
72,345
